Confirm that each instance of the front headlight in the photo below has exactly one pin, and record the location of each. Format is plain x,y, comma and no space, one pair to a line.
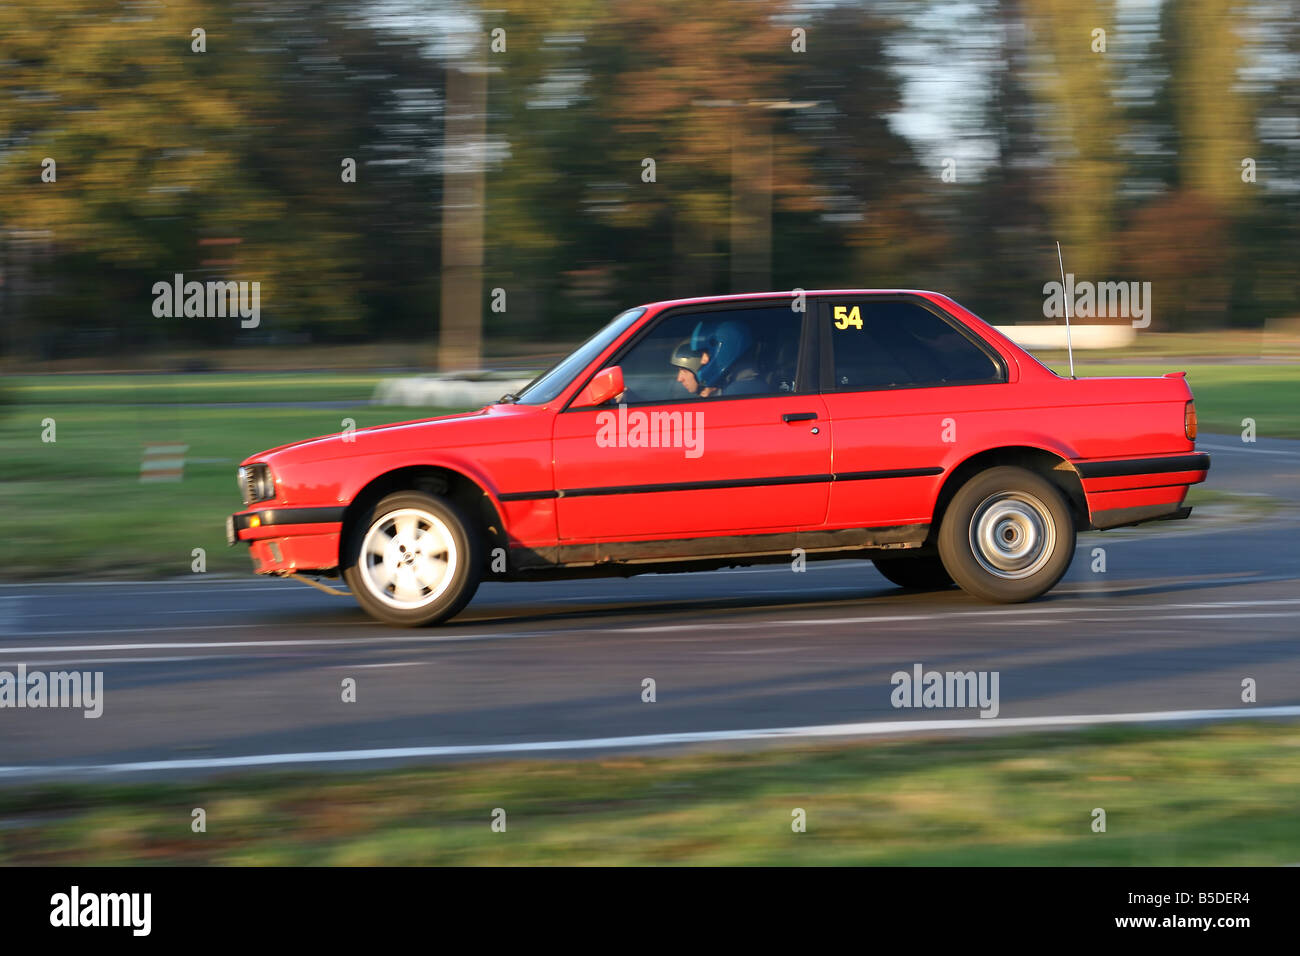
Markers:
256,483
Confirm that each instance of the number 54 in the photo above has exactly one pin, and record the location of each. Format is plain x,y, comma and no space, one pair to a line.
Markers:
845,316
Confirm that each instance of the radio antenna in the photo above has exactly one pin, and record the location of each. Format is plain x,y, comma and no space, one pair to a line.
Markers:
1069,345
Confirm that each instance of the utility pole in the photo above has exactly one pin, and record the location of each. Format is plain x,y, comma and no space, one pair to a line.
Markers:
751,201
460,321
752,187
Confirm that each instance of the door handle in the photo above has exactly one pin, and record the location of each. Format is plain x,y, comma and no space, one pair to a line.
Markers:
799,417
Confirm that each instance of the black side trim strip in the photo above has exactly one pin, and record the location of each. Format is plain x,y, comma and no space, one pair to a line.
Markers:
694,485
528,495
1142,466
896,473
289,516
720,483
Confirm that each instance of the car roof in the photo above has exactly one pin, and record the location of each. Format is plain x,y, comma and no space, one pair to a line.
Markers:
786,294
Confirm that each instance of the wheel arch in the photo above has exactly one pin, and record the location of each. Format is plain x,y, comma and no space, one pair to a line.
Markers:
438,480
1049,464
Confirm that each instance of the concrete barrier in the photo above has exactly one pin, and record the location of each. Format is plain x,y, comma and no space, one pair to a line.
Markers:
476,389
1083,336
467,390
163,461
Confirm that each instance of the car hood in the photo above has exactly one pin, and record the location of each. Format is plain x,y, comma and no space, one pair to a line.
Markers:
490,424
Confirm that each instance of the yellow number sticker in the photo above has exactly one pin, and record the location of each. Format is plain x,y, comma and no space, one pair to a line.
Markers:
844,317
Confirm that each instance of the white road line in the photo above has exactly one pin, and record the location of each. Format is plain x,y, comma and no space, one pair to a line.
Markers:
760,650
1088,591
1071,613
195,610
1073,610
190,627
204,645
64,662
146,630
1096,587
360,667
227,584
1215,617
1246,449
865,729
11,615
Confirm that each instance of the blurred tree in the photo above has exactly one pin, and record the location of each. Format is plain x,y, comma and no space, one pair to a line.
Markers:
159,147
1192,243
1083,123
775,164
993,220
595,92
779,158
1177,243
1267,284
880,218
1213,118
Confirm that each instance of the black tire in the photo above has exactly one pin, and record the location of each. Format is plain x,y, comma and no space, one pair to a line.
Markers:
408,531
1007,536
920,573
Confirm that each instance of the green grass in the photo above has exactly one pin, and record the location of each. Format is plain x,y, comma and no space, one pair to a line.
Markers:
1281,341
1221,795
1225,394
1235,505
44,390
76,506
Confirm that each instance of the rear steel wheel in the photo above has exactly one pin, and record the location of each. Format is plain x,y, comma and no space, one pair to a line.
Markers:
1007,535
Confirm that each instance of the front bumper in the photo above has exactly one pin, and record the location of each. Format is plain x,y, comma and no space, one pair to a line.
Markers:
301,553
288,540
285,521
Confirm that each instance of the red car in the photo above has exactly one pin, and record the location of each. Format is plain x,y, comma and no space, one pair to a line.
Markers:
707,433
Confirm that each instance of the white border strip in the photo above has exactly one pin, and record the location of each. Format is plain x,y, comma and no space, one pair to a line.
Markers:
871,728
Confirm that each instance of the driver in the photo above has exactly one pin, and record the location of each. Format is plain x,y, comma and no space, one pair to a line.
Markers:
688,362
715,361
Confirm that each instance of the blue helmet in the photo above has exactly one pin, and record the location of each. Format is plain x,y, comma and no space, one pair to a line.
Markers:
725,342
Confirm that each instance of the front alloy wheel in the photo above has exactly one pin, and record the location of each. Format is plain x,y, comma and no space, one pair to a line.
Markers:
413,560
1007,536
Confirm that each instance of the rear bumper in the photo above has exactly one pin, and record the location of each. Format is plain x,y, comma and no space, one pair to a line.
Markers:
1198,462
1138,514
1131,491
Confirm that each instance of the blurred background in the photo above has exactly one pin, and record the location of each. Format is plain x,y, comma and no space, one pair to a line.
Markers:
420,187
444,187
503,146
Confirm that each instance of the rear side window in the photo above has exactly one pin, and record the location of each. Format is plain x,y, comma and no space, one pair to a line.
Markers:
894,343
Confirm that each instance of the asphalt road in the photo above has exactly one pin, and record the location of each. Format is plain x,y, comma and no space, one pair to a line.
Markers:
203,674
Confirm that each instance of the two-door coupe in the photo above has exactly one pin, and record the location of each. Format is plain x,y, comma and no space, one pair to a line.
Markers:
705,433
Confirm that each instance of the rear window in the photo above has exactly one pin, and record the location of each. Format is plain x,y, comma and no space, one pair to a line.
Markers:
892,343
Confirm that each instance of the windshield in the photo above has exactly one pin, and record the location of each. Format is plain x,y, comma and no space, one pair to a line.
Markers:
554,380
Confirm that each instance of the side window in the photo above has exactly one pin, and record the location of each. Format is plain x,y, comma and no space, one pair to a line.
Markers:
893,343
715,354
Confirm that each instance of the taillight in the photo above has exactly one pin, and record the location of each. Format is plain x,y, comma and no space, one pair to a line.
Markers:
1189,421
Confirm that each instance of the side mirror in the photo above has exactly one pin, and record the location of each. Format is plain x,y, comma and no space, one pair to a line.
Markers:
606,383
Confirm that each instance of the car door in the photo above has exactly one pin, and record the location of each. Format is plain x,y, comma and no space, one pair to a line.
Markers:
903,383
751,457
